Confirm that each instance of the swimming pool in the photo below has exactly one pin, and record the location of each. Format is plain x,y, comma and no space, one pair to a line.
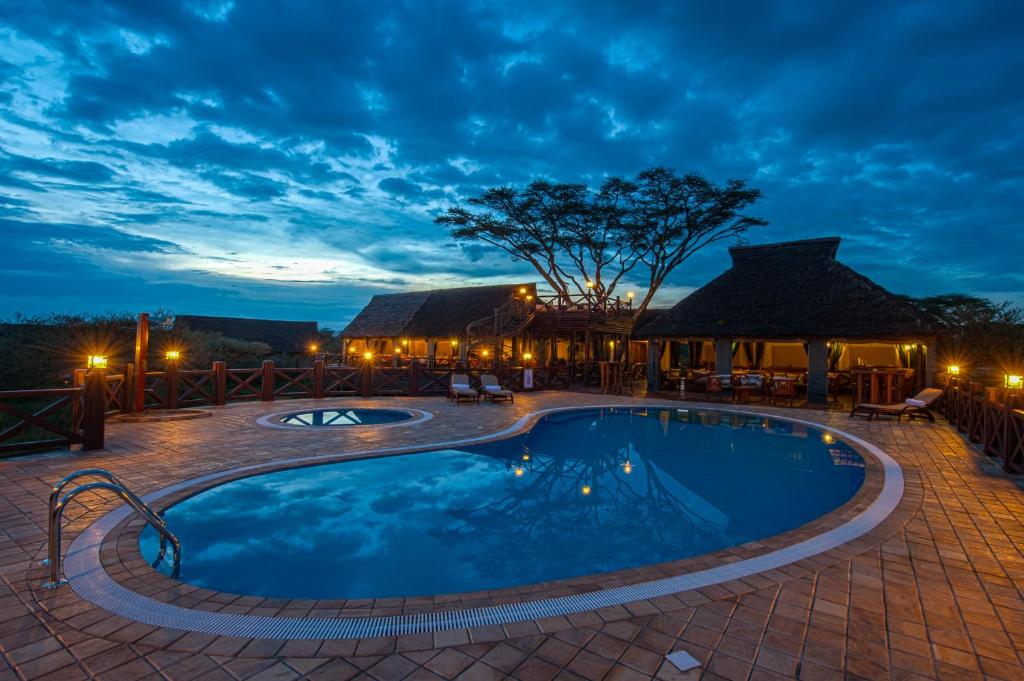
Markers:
339,418
583,492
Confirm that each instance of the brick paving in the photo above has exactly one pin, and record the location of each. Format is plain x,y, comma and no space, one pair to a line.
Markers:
934,592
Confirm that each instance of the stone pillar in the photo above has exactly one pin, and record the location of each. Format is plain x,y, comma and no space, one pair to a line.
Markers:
817,372
653,364
431,352
723,356
931,361
464,350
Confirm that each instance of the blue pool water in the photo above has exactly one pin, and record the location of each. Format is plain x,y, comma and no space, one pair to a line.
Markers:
321,418
583,492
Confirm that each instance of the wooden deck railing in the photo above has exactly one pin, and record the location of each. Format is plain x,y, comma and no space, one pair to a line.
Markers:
33,420
992,419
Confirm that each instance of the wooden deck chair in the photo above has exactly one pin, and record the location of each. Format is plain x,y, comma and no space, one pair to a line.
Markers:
914,407
460,389
493,390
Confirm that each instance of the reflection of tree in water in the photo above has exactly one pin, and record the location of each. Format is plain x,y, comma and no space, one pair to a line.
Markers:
571,515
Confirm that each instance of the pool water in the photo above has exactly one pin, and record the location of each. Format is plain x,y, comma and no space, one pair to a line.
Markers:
583,492
320,418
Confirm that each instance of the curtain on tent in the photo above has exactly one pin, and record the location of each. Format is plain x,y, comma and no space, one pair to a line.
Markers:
834,354
696,349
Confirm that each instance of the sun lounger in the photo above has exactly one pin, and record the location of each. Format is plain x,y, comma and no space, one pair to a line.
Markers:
915,407
493,390
460,389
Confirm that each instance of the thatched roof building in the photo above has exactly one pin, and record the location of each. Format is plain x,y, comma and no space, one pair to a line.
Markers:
281,336
441,313
792,290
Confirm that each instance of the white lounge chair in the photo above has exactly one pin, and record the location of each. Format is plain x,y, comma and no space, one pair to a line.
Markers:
460,389
493,390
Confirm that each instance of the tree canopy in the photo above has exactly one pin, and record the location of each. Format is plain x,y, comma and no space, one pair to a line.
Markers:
642,228
978,332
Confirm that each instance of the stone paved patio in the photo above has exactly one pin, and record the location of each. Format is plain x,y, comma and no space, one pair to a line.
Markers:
934,592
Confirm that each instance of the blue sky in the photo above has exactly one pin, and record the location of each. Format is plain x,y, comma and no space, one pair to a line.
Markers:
286,159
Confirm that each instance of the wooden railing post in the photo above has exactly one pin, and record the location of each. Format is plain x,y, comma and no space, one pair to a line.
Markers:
367,380
128,389
414,378
77,381
220,383
94,408
172,384
318,378
268,381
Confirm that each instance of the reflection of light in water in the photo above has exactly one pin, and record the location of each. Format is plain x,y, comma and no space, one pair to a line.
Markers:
627,467
585,490
828,438
519,471
526,457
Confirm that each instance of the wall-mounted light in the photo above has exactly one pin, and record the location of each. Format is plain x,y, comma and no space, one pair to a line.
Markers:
313,347
627,467
527,356
455,342
97,362
522,290
367,356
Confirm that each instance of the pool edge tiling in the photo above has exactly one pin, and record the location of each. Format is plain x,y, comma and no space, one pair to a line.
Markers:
91,581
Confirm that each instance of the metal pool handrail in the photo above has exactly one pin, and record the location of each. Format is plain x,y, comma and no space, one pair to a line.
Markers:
56,512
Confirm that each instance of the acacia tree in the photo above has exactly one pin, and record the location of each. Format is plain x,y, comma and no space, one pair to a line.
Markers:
572,235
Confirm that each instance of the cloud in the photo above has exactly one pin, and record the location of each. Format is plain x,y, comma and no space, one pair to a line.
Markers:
316,145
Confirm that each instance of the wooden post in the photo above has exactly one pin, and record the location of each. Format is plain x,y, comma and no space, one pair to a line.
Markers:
267,383
94,409
220,383
723,356
141,355
431,352
414,378
367,382
172,384
318,378
653,364
127,387
817,372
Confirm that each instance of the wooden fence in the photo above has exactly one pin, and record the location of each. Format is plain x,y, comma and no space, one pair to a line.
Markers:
35,420
994,419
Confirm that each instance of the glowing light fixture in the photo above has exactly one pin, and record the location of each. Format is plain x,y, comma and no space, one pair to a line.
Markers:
485,352
585,490
1014,381
313,347
627,467
405,341
367,356
527,356
630,294
97,362
172,355
519,471
953,370
522,289
828,438
455,342
529,298
590,284
526,457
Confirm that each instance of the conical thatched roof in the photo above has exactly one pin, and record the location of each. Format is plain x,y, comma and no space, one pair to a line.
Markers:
441,313
792,290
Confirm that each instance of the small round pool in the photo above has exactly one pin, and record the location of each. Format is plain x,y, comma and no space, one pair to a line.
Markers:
341,418
583,492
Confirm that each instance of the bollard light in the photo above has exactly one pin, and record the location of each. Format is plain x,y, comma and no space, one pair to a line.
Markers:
953,370
367,356
172,355
1014,382
97,362
629,294
313,347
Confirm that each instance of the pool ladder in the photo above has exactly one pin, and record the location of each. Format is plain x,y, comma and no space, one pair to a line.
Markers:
117,486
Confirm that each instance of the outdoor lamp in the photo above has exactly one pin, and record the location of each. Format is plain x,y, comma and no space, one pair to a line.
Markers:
953,370
522,290
519,471
97,362
405,341
527,356
1014,381
172,355
529,298
590,284
629,294
313,347
367,356
455,342
351,348
485,352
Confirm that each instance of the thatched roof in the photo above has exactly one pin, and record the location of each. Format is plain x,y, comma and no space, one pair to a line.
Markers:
281,336
440,313
792,290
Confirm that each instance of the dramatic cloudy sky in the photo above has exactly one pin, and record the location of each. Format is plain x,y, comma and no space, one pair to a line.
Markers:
286,159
